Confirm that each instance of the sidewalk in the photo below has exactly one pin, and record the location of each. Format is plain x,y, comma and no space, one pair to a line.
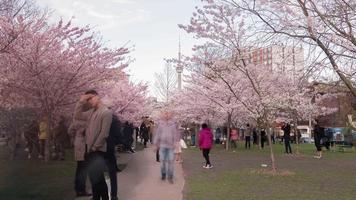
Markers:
141,179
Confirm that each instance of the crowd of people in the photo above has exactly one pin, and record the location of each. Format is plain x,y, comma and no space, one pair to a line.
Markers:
96,132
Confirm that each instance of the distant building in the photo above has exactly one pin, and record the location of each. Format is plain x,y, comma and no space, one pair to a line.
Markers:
278,58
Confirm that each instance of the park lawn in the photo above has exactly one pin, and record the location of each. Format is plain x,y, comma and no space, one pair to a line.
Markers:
236,175
22,179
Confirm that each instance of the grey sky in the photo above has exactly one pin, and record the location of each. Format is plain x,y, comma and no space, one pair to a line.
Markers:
148,25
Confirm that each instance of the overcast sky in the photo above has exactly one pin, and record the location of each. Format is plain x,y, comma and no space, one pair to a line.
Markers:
148,25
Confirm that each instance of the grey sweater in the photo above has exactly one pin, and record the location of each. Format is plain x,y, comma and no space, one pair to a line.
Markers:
98,125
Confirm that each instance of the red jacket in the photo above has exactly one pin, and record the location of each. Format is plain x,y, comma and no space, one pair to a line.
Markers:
205,139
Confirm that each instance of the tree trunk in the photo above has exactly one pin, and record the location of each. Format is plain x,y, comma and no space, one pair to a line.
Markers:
228,131
273,161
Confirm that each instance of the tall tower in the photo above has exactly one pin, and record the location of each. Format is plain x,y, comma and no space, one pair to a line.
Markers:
179,68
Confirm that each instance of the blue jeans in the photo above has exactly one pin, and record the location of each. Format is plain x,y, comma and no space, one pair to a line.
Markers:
167,165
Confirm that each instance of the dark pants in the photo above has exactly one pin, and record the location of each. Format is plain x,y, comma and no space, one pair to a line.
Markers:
80,177
113,169
317,144
248,141
233,143
287,145
157,155
96,168
262,143
206,156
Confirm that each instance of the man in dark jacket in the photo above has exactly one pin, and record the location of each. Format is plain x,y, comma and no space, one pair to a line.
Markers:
144,133
318,135
286,129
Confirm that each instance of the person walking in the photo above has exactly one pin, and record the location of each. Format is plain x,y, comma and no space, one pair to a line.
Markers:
166,137
318,135
286,136
205,144
77,131
99,119
247,132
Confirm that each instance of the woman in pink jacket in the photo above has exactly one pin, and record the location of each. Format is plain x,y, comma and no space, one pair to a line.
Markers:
205,143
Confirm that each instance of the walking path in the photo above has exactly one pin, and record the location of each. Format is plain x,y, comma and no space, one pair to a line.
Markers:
141,179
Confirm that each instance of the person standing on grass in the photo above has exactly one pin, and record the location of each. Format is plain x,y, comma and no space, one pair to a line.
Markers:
318,134
99,119
263,138
234,137
77,130
166,137
31,136
286,136
206,143
43,136
248,132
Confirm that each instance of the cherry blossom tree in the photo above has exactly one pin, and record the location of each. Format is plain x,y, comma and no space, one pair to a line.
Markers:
255,87
129,101
49,65
326,27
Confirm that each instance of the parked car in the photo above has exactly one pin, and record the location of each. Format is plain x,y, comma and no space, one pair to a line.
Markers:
305,133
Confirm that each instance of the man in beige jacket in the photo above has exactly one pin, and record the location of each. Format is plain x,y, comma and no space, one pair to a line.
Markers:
98,120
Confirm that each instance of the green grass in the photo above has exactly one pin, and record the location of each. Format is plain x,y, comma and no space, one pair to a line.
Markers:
234,175
36,180
23,179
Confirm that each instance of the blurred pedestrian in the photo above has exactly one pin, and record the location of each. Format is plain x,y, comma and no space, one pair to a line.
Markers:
248,132
234,137
60,138
31,137
77,131
43,136
166,137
